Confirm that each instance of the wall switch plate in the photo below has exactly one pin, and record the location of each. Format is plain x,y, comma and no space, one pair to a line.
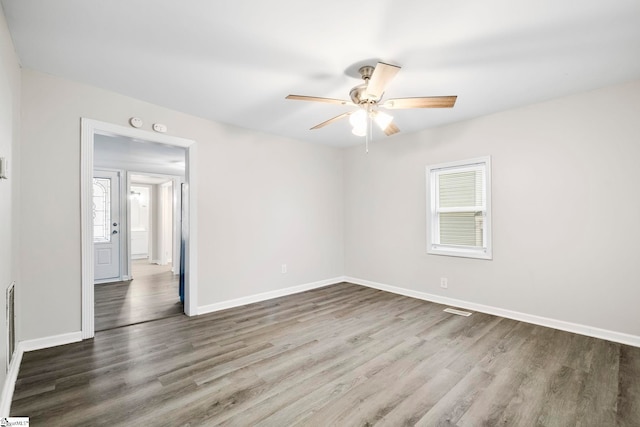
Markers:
444,283
284,268
4,174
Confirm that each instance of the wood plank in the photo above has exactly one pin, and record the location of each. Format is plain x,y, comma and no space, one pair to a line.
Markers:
151,295
628,407
341,355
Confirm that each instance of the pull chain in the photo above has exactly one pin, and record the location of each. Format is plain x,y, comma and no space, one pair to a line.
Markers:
369,128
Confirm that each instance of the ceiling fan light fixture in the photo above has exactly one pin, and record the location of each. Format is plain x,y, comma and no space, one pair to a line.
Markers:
359,119
359,131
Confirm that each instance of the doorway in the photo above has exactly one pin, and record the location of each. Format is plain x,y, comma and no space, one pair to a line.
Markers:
155,216
151,288
91,130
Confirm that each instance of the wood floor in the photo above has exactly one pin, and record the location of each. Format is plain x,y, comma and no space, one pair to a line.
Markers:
151,295
337,356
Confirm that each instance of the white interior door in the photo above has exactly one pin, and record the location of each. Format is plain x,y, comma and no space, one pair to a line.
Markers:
106,225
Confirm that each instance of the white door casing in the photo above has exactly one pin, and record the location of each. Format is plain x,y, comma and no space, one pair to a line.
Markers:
89,128
106,226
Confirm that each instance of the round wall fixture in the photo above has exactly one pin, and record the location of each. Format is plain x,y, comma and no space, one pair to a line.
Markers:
136,122
159,127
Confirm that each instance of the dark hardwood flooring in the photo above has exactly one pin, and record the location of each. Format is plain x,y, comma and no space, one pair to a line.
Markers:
151,295
338,356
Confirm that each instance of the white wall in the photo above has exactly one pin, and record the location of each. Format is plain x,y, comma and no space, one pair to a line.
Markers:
566,210
261,201
565,206
140,221
9,194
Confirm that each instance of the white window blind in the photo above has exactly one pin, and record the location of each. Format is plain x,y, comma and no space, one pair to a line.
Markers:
459,215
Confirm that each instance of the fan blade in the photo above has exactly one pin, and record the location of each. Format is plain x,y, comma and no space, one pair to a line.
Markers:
381,77
318,99
422,102
391,129
334,119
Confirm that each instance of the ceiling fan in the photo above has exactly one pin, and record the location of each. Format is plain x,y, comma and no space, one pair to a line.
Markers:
368,97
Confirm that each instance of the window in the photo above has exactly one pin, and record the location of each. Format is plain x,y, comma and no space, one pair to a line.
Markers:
459,208
101,210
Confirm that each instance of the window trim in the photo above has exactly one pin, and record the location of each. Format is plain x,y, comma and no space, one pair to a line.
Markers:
432,218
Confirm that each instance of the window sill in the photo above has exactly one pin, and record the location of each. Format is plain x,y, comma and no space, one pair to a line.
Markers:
460,252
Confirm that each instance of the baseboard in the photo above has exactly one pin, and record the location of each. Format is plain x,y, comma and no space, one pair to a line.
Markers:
53,341
106,281
10,381
562,325
267,295
14,366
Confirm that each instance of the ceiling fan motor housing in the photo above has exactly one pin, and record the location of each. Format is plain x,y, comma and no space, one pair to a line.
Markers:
366,72
359,93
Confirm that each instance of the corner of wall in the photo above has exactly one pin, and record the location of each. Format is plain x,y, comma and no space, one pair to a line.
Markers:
10,382
10,105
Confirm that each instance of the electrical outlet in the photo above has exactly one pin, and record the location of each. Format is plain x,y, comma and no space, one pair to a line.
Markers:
284,268
444,283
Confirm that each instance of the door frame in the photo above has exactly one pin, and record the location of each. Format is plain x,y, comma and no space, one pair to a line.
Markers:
89,128
176,209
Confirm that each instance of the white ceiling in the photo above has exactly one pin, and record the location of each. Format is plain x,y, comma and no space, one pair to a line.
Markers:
148,179
234,61
118,152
